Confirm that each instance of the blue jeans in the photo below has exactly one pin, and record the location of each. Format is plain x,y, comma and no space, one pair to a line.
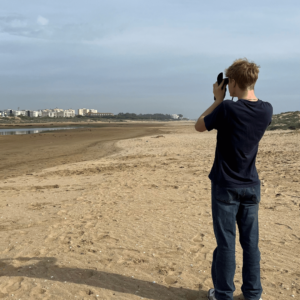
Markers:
231,206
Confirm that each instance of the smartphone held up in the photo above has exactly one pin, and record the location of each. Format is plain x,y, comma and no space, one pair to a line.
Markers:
219,80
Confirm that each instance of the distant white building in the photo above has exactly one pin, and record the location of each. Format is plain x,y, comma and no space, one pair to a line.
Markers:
45,113
174,116
60,114
72,112
49,113
52,114
16,113
6,112
33,114
85,111
57,112
57,109
68,113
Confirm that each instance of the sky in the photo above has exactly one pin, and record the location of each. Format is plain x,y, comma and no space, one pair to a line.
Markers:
138,56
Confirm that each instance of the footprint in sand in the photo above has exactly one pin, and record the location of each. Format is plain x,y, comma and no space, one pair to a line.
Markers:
196,249
14,284
170,280
198,238
3,295
108,238
62,212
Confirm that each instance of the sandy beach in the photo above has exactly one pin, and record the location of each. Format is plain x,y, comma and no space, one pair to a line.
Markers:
24,154
124,212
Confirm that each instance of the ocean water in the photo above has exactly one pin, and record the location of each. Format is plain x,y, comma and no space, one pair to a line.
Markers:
18,131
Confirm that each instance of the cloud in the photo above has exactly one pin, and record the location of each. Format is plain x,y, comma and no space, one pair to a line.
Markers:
23,26
160,41
13,24
18,23
42,21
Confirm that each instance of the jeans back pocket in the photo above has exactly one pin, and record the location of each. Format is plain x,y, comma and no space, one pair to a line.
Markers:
255,193
227,195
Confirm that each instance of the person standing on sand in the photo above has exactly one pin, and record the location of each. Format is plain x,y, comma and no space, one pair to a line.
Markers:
235,186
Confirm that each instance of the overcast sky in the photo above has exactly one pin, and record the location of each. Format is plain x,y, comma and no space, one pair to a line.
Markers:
158,56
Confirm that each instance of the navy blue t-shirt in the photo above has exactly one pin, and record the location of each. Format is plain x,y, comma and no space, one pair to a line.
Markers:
240,125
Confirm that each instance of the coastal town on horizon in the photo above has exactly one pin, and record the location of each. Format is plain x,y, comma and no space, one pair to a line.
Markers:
52,113
61,113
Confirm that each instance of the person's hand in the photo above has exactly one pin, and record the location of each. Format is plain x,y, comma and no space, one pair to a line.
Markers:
218,92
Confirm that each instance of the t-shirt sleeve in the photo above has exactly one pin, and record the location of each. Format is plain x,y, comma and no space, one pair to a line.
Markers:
216,118
270,115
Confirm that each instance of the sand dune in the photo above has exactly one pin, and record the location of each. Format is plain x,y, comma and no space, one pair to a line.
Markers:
136,224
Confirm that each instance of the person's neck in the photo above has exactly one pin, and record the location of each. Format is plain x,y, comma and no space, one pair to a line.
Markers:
248,95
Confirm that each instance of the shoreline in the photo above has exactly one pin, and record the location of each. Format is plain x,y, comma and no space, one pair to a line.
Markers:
90,123
52,148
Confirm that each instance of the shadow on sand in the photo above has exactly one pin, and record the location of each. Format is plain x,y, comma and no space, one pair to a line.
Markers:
46,268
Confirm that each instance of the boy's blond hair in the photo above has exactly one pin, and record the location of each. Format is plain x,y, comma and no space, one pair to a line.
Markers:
244,73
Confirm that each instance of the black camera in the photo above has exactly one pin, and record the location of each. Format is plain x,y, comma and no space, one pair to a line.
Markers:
219,80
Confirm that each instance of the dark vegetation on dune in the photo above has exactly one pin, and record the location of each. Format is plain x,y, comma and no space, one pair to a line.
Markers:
286,121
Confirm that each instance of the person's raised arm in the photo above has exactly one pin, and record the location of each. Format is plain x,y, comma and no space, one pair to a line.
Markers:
219,95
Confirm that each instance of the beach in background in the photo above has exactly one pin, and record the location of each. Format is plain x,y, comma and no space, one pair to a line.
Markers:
33,152
123,211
